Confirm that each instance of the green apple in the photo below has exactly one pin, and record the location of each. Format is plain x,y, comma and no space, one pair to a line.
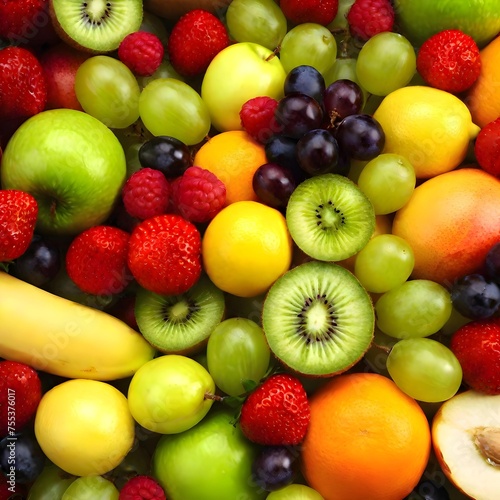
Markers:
71,163
168,394
420,19
211,461
236,74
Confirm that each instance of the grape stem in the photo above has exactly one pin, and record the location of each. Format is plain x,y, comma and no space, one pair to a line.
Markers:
213,397
384,348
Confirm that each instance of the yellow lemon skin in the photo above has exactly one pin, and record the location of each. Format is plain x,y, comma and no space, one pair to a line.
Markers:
246,248
84,426
430,127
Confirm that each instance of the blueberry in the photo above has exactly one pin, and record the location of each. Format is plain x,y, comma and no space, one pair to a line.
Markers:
474,297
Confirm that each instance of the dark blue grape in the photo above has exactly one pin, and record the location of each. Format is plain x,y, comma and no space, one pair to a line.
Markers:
474,297
318,152
492,263
274,184
428,490
283,151
274,467
297,114
166,154
307,80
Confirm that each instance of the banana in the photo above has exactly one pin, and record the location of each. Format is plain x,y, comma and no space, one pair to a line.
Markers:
58,336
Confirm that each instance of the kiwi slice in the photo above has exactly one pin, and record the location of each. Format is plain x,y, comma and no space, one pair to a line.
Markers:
96,26
329,217
318,319
180,324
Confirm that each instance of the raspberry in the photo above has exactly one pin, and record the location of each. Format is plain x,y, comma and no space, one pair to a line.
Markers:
198,195
146,193
487,148
450,61
366,18
310,11
142,488
141,52
257,117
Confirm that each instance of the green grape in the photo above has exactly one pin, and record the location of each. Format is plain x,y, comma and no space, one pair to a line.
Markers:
294,492
237,351
165,70
154,24
168,106
424,369
417,308
50,484
384,263
91,488
108,91
386,62
389,181
311,44
257,21
340,20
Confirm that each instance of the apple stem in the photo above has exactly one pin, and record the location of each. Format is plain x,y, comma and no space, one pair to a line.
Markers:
213,397
384,348
274,53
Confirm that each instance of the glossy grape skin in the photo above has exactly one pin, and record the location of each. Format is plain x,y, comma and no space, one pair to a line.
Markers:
318,152
40,263
342,98
274,467
91,488
237,351
307,80
388,181
361,136
474,297
425,369
166,154
282,150
297,114
273,184
51,483
108,90
384,263
417,308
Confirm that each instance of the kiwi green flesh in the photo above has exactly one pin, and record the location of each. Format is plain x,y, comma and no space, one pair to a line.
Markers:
180,324
329,217
96,25
318,319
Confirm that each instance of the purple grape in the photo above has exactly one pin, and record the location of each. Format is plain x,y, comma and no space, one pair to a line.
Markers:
342,98
318,152
474,297
283,151
274,184
274,467
307,80
360,136
166,154
492,263
297,114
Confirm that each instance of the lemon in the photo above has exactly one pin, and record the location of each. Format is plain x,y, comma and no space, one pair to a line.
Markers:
246,248
429,127
84,427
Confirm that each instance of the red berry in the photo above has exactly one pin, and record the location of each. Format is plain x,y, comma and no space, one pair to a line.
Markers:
198,195
142,52
257,117
277,412
18,212
23,91
96,260
20,394
146,193
487,148
310,11
142,488
165,254
449,60
367,18
196,38
477,347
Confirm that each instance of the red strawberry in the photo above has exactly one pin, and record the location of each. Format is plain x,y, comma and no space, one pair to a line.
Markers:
23,91
310,11
477,347
142,488
367,18
196,38
449,60
18,212
164,254
96,260
20,394
277,412
487,148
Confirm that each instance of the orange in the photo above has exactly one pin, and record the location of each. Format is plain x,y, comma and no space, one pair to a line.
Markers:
233,156
483,99
367,440
451,221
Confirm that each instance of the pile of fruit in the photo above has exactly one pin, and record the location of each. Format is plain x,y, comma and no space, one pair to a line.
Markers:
249,249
